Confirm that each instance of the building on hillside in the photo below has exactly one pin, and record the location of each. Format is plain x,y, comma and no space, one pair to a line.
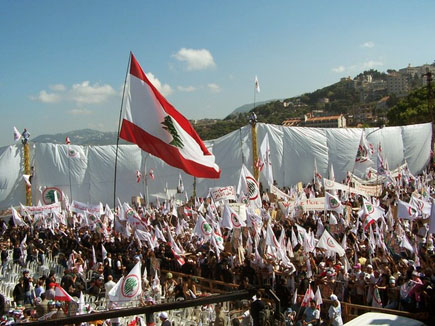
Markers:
291,122
334,121
398,84
310,120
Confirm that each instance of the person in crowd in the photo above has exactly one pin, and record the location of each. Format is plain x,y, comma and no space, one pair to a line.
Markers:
19,292
221,318
334,312
164,319
311,315
256,309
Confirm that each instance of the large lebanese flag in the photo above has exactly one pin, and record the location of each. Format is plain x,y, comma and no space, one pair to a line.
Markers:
152,123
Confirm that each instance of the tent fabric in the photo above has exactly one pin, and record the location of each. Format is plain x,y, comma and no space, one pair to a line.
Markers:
90,175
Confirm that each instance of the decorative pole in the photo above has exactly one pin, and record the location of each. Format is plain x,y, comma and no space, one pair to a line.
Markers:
27,171
253,123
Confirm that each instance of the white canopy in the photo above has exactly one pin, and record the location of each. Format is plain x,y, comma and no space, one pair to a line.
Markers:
293,150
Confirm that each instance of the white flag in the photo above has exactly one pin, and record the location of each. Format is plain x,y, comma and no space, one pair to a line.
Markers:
332,203
406,211
18,221
257,85
230,219
26,178
202,228
318,297
265,158
248,187
327,242
103,252
17,134
432,218
180,187
128,287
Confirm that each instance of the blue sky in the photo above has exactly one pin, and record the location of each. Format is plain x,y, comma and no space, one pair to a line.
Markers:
63,63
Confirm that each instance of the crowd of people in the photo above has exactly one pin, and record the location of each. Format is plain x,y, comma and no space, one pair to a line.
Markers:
388,261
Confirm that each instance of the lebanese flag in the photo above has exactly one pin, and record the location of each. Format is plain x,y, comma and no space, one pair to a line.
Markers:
309,295
153,124
61,295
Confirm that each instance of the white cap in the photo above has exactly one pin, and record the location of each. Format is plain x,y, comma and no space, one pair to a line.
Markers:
333,297
163,315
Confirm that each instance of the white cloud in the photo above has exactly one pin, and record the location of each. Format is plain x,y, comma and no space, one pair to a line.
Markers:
371,64
215,88
195,59
339,69
91,94
368,44
165,89
186,88
45,97
80,112
79,93
58,87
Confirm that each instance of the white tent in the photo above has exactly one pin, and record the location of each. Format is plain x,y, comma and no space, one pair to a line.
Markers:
90,174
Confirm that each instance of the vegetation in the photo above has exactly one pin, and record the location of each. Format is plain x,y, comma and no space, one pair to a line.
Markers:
410,110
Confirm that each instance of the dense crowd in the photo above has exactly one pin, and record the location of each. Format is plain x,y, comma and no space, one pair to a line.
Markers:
388,262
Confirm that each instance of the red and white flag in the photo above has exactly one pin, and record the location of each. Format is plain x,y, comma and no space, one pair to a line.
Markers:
151,174
152,123
61,295
138,176
67,140
309,295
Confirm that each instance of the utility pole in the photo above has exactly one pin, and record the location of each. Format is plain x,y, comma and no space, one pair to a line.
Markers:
428,76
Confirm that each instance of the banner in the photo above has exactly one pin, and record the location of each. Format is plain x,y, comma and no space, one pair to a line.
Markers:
223,193
81,208
368,190
45,209
359,188
312,204
280,194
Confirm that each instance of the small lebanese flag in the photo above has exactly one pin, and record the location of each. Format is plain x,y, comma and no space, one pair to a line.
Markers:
151,174
17,134
61,294
152,123
309,295
67,141
138,176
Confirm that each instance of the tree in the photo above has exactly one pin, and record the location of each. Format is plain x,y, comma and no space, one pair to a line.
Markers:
410,110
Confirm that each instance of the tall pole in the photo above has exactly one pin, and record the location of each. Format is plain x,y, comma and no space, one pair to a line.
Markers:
27,171
254,149
69,173
119,128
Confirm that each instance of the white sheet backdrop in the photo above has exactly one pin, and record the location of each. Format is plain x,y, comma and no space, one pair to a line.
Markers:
293,150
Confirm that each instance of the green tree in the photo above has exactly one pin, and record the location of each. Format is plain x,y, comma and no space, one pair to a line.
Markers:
410,110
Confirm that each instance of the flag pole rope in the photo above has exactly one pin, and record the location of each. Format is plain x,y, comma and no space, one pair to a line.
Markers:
119,129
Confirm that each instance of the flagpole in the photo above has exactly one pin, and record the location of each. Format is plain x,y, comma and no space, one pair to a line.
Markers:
119,128
69,172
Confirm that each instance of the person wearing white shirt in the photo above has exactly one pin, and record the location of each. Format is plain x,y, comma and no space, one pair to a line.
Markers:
109,286
334,312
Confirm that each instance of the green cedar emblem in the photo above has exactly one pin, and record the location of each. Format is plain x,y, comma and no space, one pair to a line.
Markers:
129,285
168,125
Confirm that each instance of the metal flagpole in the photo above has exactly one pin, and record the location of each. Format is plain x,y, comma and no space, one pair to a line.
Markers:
119,128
